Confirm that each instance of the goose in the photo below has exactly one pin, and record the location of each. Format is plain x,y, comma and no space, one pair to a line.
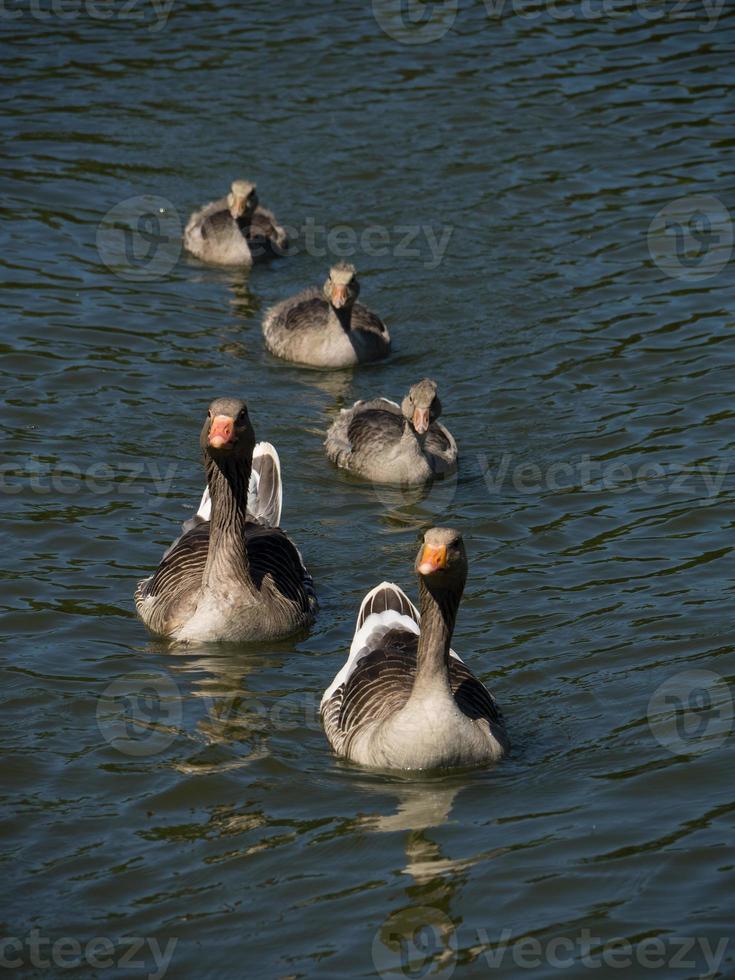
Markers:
389,443
404,699
235,230
233,575
328,327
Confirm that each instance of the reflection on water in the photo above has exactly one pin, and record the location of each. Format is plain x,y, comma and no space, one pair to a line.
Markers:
579,321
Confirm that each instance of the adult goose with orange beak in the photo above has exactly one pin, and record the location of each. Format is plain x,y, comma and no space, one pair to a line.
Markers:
327,328
232,576
404,699
235,230
389,443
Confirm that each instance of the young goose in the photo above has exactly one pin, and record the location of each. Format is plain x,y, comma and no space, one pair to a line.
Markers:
230,576
327,328
404,699
389,443
235,230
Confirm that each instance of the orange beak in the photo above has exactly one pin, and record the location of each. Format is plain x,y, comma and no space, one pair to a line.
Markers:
339,296
421,420
432,559
221,431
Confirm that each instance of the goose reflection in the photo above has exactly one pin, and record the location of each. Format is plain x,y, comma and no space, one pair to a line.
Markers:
421,807
337,385
229,717
244,303
419,936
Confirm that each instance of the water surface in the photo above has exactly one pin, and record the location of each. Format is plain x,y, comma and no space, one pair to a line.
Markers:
586,370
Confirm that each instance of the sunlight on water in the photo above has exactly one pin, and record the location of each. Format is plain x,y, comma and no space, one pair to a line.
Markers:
539,200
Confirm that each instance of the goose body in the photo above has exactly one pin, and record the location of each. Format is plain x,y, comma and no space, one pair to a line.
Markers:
233,575
327,328
404,699
384,442
235,230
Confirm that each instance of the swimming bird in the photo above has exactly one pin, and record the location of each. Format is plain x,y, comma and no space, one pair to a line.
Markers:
328,327
404,699
233,575
235,230
389,443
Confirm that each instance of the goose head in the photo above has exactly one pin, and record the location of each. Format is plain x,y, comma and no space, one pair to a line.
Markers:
441,563
242,200
227,433
342,288
421,406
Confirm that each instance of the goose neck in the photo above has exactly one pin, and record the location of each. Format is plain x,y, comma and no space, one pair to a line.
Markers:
438,615
342,317
227,557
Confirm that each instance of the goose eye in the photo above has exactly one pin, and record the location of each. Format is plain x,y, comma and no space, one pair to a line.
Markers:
243,415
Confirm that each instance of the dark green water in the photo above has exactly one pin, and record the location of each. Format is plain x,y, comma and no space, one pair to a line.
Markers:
585,362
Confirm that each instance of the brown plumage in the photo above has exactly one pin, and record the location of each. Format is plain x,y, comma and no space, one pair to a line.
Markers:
231,576
235,230
327,328
404,699
389,443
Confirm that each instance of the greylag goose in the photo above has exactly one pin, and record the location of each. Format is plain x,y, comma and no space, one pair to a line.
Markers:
328,327
235,230
404,699
389,443
232,575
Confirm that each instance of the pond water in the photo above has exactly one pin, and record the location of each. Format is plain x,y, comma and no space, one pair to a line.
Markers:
538,201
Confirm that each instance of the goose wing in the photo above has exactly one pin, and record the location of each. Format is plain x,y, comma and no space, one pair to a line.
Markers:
214,210
374,425
440,445
365,319
176,582
217,223
275,565
306,313
377,678
265,492
265,230
275,559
